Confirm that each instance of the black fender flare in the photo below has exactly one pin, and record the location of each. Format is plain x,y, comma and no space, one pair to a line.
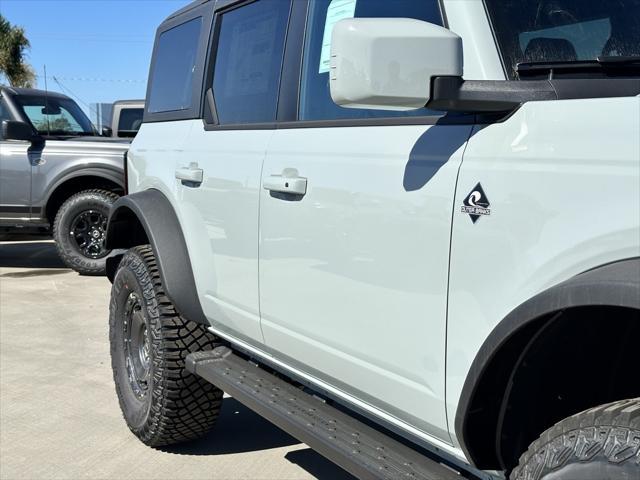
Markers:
615,284
149,217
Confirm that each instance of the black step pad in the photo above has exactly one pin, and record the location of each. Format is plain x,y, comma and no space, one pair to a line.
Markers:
346,441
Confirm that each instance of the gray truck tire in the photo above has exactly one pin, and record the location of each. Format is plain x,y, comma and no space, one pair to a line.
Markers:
162,403
602,443
79,230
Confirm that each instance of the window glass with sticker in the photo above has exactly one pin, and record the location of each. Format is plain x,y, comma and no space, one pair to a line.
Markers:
315,98
250,50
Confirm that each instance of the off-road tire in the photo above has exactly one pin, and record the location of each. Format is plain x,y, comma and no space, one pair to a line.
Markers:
602,443
96,200
177,406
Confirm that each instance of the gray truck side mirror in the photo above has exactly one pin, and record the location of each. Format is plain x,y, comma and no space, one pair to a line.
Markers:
13,130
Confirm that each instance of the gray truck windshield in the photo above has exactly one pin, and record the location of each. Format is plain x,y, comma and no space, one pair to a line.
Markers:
532,31
55,115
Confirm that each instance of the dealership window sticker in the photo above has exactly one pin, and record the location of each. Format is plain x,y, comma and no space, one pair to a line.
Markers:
338,10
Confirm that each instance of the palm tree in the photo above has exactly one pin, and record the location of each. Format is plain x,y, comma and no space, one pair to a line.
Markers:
13,66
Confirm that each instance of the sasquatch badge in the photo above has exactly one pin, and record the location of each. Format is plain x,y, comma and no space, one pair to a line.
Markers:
476,204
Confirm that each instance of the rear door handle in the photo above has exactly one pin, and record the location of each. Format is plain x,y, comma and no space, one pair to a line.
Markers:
191,174
285,184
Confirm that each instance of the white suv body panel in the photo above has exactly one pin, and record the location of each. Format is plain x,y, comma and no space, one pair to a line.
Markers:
361,300
356,272
219,217
224,210
563,181
373,292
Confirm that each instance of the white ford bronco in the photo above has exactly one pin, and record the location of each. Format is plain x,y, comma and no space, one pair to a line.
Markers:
407,232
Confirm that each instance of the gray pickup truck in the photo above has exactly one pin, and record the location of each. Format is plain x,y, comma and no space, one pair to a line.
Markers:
58,174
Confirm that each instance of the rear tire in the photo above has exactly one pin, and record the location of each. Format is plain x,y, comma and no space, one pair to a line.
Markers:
79,230
162,403
602,443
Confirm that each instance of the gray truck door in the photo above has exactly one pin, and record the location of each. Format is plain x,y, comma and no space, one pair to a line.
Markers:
15,176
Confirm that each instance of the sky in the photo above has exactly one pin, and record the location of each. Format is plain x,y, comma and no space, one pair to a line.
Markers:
95,51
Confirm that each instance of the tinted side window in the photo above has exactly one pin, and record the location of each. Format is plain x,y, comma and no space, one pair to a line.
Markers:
248,62
172,76
315,99
130,121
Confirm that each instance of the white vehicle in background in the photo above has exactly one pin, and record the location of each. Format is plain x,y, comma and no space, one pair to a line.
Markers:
440,281
126,119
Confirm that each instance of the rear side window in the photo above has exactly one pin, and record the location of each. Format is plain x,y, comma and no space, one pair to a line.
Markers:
248,62
315,98
175,63
130,121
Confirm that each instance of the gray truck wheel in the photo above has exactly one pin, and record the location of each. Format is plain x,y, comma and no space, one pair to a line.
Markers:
162,403
598,444
79,230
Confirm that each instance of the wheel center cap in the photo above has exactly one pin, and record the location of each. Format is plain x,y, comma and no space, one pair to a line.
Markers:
95,234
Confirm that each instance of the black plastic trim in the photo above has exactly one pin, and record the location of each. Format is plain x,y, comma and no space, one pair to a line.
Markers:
289,90
210,110
576,88
154,212
615,284
359,448
454,94
578,69
15,209
444,119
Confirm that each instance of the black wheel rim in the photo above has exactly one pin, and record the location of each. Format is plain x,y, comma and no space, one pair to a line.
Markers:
136,346
88,230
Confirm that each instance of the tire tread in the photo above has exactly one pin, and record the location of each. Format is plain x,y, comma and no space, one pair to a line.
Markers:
73,260
184,407
610,433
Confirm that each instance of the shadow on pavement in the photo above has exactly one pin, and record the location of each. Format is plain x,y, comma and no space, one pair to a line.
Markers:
239,430
40,254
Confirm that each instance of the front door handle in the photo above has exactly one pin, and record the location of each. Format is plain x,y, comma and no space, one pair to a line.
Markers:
286,183
190,175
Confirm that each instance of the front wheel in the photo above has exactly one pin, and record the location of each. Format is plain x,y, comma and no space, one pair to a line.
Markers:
80,228
161,401
602,443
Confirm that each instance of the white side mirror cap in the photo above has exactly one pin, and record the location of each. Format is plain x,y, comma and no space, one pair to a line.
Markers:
388,63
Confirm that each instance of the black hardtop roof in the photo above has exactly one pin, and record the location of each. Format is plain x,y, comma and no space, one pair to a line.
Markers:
31,91
191,6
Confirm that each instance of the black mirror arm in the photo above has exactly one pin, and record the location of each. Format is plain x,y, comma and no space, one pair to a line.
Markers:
503,96
485,96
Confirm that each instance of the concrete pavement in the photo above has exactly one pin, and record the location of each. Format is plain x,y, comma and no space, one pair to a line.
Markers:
59,415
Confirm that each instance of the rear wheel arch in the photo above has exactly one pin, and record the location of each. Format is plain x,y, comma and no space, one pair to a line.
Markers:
148,217
588,309
64,188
